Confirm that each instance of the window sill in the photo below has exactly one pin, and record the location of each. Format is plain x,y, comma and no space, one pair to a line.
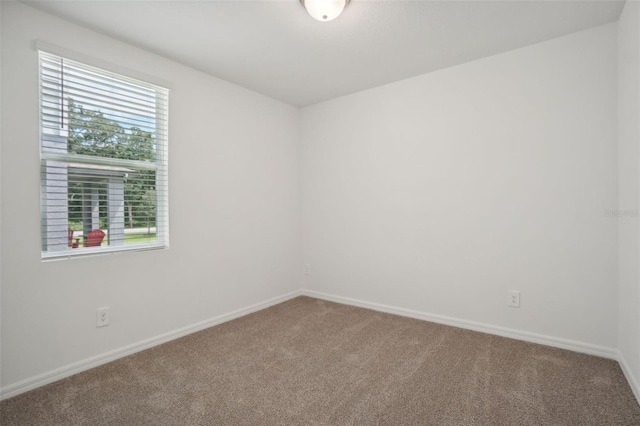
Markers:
99,251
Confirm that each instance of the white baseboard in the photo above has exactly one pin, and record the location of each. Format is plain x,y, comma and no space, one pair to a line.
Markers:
86,364
526,336
626,370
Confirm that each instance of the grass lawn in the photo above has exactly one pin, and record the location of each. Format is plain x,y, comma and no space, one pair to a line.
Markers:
139,238
131,239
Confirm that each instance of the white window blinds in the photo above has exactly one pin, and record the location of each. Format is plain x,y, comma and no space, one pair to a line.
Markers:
103,150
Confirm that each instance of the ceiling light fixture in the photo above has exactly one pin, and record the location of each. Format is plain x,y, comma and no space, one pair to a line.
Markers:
324,10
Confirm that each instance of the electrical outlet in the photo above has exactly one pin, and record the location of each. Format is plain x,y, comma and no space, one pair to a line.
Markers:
102,317
514,299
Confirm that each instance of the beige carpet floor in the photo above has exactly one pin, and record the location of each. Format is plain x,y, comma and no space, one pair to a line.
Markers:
311,362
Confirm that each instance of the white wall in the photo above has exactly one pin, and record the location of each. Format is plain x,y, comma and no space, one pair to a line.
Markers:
629,178
234,211
441,192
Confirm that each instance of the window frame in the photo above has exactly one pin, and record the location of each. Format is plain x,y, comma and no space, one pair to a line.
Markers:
160,166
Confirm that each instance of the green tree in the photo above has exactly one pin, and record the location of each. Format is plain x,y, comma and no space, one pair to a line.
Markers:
91,133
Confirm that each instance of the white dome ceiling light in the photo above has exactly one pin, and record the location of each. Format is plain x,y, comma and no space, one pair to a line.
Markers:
324,10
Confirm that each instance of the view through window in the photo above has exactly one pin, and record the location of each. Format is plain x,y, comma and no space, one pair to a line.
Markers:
103,160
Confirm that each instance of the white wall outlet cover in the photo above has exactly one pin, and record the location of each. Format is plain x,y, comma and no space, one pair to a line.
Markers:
103,317
513,299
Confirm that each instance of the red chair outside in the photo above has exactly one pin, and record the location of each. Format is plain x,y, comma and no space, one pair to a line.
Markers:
94,238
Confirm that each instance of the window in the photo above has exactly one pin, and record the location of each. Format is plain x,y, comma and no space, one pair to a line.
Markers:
103,151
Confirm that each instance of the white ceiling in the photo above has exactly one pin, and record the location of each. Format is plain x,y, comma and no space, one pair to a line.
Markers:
275,48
